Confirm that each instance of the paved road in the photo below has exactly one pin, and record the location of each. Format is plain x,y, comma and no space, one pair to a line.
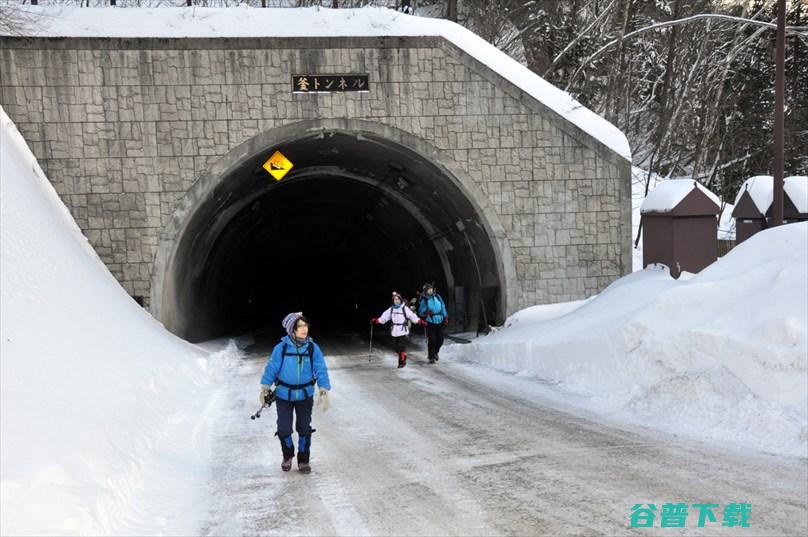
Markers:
458,449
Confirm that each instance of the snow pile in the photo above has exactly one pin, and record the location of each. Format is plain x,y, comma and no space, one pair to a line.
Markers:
722,355
245,21
103,413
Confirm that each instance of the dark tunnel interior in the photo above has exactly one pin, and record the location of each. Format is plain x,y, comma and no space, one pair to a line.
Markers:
324,246
355,219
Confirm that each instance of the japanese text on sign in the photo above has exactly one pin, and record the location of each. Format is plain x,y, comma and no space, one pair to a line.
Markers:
329,83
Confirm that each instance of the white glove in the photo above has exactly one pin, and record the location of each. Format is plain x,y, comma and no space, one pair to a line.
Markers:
265,389
322,400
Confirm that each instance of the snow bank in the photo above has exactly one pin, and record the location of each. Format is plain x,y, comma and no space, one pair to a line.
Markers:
103,413
245,21
721,355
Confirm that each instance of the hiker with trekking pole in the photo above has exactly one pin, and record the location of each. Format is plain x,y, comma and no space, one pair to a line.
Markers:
400,315
295,366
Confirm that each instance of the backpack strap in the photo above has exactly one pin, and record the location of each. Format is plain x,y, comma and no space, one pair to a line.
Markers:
283,357
392,310
291,387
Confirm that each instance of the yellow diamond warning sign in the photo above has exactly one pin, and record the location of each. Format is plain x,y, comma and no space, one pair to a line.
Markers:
278,165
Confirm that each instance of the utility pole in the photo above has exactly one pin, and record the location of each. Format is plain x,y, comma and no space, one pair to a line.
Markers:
451,10
779,116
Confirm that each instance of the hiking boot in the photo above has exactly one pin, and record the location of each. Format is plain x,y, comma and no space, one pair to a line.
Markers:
286,465
402,359
432,359
304,467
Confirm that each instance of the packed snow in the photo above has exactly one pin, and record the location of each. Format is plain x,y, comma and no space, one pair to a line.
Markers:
721,355
103,421
245,21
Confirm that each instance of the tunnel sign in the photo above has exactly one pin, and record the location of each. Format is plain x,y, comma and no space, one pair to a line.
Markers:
330,83
278,165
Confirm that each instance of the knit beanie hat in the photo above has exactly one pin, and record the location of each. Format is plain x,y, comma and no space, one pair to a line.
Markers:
289,322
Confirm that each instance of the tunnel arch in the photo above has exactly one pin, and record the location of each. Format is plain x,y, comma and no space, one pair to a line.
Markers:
367,208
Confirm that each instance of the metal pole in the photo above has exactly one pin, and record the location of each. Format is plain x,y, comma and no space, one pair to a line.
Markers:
370,348
779,116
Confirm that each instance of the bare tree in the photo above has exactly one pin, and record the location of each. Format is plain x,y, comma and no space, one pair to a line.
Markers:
17,20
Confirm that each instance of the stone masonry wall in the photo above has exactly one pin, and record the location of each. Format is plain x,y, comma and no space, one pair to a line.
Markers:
123,128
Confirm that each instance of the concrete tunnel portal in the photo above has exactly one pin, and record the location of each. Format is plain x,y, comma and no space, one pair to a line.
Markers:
359,215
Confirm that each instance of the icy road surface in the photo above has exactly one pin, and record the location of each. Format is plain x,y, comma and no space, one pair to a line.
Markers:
458,449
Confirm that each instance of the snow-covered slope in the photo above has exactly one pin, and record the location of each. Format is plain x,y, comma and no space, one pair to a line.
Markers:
722,355
244,21
103,412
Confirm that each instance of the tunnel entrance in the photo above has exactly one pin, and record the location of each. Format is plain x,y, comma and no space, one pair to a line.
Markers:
359,215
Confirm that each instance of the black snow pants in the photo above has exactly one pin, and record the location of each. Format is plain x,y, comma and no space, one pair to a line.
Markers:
302,410
400,343
434,338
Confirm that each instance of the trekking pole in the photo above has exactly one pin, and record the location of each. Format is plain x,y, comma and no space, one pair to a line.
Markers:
370,349
258,414
267,403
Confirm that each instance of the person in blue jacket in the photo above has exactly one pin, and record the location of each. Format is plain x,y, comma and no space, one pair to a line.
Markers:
296,364
432,309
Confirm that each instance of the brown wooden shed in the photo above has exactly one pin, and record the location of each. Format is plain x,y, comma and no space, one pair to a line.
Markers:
752,207
680,226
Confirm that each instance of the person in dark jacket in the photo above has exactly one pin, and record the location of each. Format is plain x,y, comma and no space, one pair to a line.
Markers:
296,364
432,309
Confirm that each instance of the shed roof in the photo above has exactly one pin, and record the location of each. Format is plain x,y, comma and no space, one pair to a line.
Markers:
760,192
796,188
670,197
756,195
